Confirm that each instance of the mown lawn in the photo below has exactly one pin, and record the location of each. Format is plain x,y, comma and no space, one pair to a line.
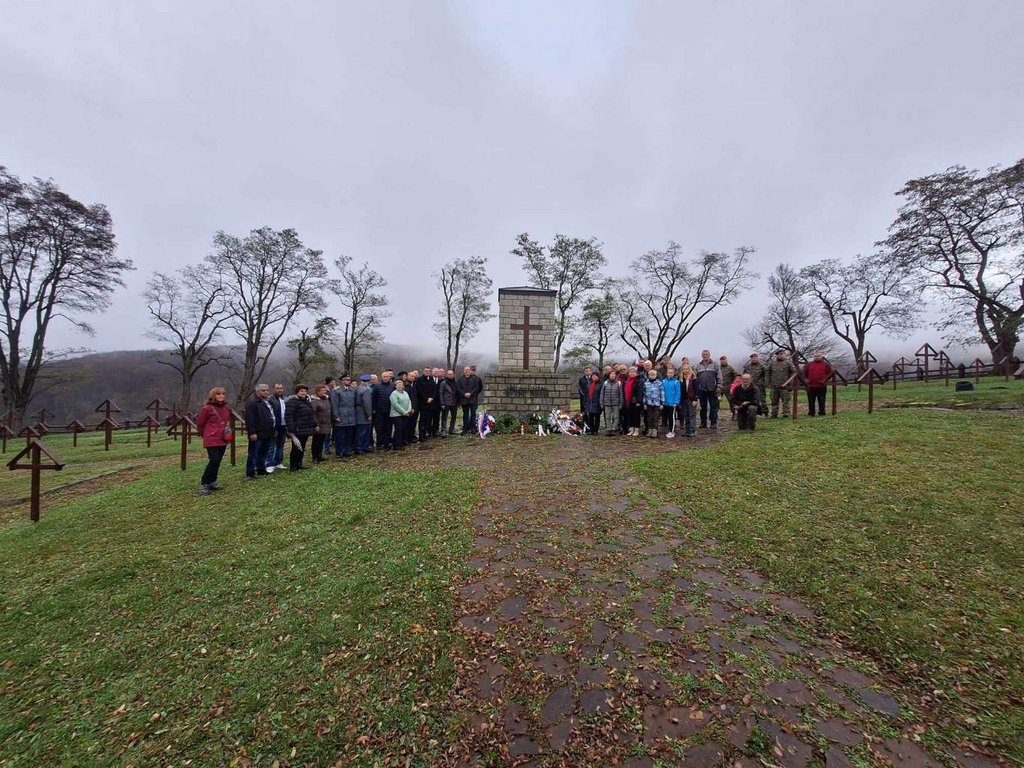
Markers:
301,618
989,393
903,529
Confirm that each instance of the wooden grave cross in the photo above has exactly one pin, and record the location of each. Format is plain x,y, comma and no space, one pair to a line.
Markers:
870,377
1005,365
977,365
866,361
108,425
155,407
927,351
5,433
182,430
835,378
945,365
899,367
74,428
794,383
35,451
150,424
41,416
30,434
237,424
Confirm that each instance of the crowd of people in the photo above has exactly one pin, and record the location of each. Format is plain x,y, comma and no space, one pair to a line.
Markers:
355,416
642,399
347,415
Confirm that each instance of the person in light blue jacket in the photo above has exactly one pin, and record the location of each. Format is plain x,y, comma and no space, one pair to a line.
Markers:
654,399
672,394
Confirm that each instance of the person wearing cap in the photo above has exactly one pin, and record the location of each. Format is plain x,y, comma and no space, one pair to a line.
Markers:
382,410
343,410
364,416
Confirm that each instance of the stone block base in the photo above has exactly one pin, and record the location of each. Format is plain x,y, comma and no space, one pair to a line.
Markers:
525,392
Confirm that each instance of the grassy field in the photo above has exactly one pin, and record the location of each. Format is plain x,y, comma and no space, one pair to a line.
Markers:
89,459
904,531
991,392
300,618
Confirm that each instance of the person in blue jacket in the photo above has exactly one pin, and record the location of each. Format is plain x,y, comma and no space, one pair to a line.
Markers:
672,391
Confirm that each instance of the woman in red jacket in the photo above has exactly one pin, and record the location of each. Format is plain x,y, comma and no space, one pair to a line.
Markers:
214,422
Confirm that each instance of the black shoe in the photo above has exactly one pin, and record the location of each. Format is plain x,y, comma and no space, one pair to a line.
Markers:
215,487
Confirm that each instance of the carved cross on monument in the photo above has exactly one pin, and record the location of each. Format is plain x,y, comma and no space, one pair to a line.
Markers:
525,327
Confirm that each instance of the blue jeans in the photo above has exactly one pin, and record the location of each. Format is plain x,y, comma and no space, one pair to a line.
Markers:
275,454
687,417
469,418
708,398
364,438
344,440
256,460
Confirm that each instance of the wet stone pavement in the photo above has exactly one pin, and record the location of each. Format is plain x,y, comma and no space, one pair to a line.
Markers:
598,630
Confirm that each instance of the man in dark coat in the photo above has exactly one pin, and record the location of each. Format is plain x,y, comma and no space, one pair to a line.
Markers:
261,427
469,387
427,394
747,399
583,386
275,456
449,397
300,420
382,409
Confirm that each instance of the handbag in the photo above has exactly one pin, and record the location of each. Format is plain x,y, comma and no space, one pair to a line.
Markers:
229,433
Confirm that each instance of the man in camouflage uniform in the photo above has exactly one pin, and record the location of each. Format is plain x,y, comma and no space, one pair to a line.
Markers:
778,373
758,377
729,375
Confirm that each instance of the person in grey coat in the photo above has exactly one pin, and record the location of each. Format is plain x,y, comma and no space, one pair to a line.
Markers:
364,416
343,410
709,388
611,404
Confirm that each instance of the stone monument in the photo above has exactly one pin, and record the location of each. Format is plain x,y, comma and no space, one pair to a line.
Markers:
524,382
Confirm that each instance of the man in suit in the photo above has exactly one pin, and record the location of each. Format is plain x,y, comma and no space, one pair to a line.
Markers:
583,385
427,394
412,390
469,386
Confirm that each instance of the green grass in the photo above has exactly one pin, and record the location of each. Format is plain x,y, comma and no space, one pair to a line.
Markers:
990,392
301,618
89,459
902,529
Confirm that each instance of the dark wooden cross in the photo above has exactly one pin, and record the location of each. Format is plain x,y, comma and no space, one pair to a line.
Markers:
794,383
74,428
899,368
5,432
182,430
835,379
30,434
945,365
35,450
107,407
864,362
927,351
237,424
525,327
41,416
150,424
1005,365
977,365
108,425
155,407
870,376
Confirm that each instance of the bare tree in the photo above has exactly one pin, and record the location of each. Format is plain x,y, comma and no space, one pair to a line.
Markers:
312,347
189,311
466,293
792,320
570,266
358,291
56,261
269,277
965,231
873,292
664,298
594,327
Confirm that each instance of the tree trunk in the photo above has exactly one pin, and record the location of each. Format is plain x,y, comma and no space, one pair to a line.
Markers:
1005,341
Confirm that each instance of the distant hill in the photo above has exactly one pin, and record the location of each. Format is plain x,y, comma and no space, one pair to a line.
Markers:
133,378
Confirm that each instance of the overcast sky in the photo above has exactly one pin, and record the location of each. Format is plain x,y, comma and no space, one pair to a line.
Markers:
409,133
